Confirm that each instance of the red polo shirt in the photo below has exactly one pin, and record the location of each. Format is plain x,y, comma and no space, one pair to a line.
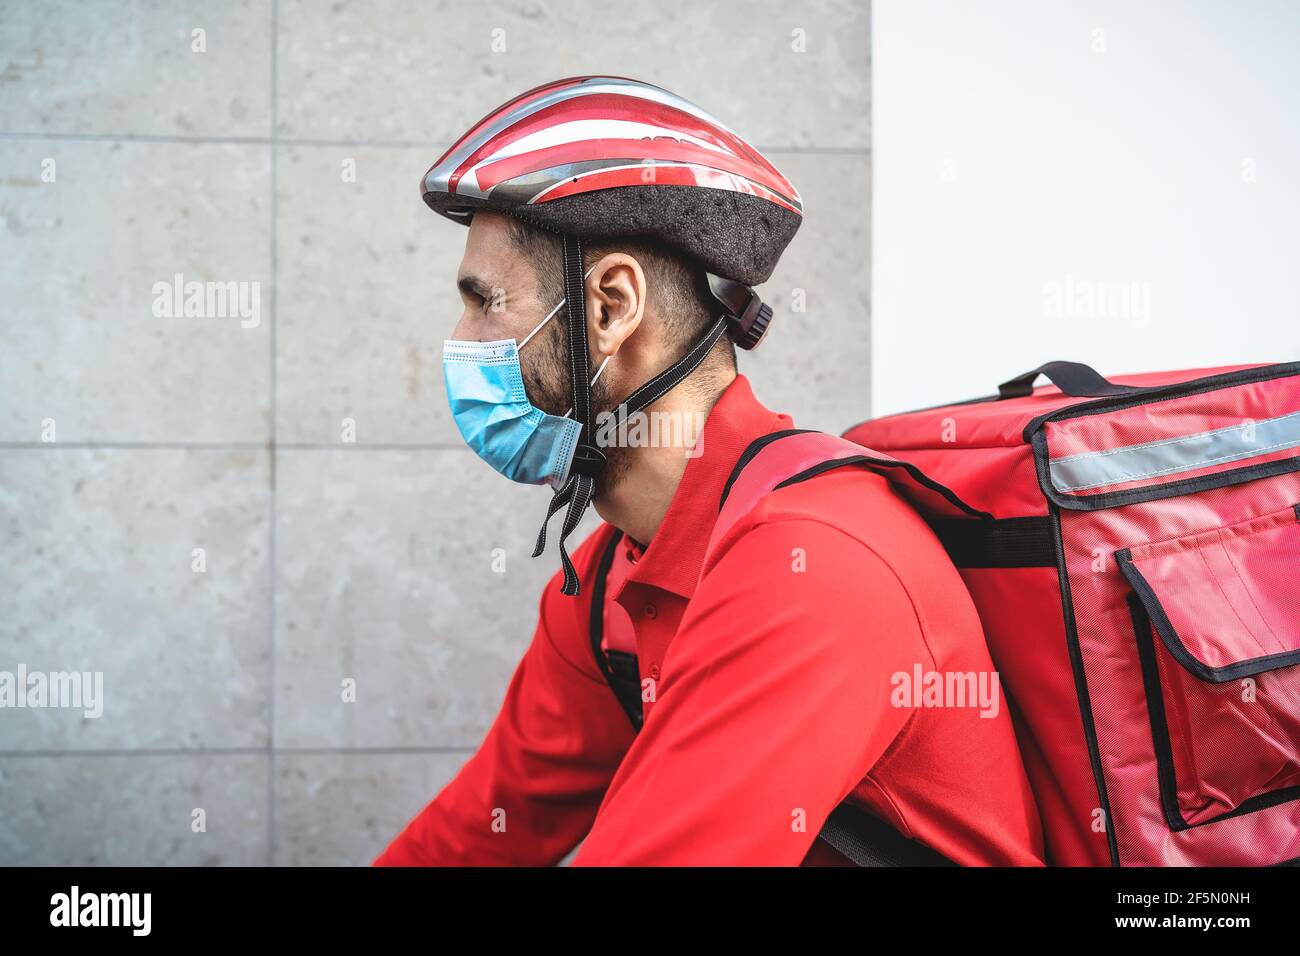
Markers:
776,685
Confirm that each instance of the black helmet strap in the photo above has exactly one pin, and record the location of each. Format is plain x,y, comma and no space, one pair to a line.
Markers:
588,460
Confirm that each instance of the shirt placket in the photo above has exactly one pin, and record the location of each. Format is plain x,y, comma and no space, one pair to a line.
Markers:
655,614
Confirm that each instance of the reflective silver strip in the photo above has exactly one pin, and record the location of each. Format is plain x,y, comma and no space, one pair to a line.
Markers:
437,179
1169,456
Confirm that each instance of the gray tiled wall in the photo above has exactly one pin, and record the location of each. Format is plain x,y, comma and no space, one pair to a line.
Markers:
128,441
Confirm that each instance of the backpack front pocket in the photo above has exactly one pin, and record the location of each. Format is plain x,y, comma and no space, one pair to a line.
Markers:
1217,621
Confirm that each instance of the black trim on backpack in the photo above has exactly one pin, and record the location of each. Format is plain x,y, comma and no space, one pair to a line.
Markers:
1035,434
916,474
867,840
830,464
1028,542
1081,687
1151,392
1156,714
1155,614
1142,628
630,702
750,452
980,541
1156,393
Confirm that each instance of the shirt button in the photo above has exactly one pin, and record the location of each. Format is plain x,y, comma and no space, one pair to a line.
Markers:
631,556
654,671
651,611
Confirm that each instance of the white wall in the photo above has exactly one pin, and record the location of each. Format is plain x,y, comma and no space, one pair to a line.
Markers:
1030,154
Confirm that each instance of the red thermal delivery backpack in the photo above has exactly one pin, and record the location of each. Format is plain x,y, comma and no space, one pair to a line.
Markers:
1133,549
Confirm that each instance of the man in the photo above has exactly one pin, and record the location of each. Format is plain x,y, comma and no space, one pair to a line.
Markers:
615,227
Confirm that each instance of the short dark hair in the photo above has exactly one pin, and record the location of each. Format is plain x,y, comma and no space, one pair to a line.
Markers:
678,291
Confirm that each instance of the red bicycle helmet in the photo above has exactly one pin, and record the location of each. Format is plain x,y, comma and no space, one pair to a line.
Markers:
603,156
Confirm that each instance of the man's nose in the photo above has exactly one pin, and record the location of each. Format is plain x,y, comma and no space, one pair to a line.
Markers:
464,330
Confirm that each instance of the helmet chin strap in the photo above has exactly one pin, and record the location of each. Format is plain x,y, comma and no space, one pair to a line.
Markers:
588,460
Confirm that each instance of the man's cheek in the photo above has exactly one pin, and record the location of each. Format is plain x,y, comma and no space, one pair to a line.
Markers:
546,386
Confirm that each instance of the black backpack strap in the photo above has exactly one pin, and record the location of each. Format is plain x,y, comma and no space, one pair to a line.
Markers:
619,667
869,841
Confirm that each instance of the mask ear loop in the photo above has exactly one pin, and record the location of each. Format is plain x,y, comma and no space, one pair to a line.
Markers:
548,318
593,380
550,315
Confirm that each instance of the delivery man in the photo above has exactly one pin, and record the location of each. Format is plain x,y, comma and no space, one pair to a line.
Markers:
614,233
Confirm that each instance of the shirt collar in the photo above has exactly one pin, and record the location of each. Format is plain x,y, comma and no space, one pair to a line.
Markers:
673,558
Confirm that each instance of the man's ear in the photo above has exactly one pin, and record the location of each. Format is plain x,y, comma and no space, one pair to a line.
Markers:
616,297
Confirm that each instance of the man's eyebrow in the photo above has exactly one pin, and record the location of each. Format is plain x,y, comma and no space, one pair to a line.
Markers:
473,285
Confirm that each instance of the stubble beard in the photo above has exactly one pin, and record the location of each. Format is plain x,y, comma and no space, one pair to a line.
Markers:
546,380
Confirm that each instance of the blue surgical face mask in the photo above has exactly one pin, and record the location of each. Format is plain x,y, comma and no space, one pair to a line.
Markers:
485,388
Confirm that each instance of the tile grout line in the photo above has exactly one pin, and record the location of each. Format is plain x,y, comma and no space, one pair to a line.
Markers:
233,751
275,322
24,135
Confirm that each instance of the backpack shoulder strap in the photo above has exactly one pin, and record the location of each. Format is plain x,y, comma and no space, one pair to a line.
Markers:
797,454
786,458
770,462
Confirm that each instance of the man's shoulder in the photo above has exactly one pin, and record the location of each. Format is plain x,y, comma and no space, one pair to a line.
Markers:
865,538
854,516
